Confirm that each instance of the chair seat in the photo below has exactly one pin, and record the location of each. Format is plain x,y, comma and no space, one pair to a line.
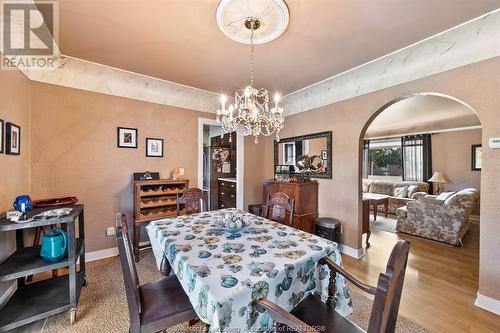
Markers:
165,302
314,312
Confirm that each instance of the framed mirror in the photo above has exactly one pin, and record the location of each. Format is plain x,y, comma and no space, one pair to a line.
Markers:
310,154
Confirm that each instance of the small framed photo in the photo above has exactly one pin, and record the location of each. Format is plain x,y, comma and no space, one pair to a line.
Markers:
126,137
154,147
277,169
477,157
12,139
324,154
1,136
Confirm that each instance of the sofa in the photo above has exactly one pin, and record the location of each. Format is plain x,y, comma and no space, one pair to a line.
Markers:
400,193
442,220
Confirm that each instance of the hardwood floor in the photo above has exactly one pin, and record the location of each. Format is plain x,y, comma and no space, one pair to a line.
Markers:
440,285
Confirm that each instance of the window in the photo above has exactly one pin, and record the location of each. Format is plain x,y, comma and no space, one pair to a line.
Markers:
385,159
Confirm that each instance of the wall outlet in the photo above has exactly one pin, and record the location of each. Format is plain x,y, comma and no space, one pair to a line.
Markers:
181,171
110,231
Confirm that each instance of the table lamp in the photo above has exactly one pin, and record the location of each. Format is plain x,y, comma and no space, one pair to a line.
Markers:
438,178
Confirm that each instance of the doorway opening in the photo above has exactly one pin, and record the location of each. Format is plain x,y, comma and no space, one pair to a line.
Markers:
220,165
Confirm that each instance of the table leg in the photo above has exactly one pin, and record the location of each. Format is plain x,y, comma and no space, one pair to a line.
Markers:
368,234
375,207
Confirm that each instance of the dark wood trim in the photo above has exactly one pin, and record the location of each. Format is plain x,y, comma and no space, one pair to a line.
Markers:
2,136
162,148
327,135
8,136
118,137
473,157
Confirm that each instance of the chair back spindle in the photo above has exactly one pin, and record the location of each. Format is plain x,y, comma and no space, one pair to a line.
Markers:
277,207
389,288
130,276
194,200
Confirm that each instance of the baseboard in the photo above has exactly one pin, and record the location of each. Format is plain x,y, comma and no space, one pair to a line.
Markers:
351,252
101,254
8,294
106,253
488,303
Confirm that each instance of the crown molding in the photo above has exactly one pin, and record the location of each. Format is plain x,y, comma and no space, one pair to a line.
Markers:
472,41
90,76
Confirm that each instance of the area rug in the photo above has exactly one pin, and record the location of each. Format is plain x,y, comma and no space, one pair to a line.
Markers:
103,305
384,223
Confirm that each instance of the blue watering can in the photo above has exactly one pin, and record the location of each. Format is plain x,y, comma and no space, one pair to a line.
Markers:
54,245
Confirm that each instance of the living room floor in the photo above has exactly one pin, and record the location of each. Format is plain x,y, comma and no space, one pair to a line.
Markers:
441,281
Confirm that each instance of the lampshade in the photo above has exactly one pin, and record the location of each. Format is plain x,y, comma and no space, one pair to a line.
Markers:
438,177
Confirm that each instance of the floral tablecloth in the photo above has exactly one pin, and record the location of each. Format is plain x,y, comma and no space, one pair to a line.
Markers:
224,273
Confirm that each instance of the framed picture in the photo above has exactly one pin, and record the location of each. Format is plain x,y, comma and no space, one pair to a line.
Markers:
126,137
154,147
477,157
12,139
324,154
1,136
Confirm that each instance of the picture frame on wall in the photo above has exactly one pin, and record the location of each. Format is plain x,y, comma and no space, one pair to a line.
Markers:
1,136
154,147
12,139
477,157
126,137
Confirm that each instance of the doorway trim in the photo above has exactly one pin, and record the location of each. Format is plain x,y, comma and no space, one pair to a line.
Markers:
240,165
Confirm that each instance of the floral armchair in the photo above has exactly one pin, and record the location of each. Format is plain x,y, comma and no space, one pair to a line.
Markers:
445,221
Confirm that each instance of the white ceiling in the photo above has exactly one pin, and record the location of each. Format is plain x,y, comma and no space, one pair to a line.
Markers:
179,40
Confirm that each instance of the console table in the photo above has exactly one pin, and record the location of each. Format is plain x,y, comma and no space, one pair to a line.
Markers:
38,300
374,200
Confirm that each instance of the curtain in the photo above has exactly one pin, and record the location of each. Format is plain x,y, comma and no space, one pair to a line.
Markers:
417,157
427,159
366,158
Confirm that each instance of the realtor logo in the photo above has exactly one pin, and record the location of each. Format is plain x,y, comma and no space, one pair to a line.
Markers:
29,34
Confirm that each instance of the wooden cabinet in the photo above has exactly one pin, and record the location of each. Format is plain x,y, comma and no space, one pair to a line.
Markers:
153,200
306,201
227,194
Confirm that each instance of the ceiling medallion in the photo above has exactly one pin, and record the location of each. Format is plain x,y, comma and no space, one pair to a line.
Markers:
250,114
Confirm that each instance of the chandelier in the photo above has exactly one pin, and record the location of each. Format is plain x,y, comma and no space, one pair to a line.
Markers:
250,114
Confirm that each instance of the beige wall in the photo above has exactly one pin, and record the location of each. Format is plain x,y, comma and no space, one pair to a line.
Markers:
477,85
14,170
74,150
451,154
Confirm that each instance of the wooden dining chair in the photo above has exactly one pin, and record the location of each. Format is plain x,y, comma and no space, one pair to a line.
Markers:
194,200
313,312
153,306
277,206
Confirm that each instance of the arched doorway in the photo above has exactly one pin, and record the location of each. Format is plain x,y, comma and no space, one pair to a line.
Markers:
435,267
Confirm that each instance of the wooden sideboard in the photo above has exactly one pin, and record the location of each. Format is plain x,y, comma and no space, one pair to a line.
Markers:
153,200
306,201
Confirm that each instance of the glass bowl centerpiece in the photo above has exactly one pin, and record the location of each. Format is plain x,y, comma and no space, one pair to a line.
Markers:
234,222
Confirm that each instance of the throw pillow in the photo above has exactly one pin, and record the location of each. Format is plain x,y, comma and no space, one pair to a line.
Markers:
412,189
445,195
401,192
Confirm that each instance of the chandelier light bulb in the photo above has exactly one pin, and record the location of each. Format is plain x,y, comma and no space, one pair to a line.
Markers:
223,99
277,98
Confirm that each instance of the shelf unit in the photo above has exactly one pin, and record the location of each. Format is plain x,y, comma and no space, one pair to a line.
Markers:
154,200
38,300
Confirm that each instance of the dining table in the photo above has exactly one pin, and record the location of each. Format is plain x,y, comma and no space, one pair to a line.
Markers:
225,272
